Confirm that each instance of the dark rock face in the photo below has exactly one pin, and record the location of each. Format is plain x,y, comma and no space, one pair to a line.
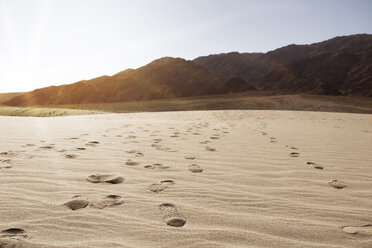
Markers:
342,65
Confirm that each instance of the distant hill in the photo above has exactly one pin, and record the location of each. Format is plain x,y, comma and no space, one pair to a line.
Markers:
341,65
344,72
161,79
7,96
235,65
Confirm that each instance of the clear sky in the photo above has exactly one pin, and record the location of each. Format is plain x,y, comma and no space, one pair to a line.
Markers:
53,42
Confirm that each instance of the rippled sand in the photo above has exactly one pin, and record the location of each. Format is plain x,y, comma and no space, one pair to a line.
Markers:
187,179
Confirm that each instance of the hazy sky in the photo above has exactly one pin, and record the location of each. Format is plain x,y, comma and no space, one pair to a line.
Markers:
55,42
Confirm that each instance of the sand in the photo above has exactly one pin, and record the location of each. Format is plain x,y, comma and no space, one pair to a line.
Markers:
187,179
44,112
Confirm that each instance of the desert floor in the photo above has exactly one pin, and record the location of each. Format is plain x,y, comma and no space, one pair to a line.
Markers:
43,112
231,178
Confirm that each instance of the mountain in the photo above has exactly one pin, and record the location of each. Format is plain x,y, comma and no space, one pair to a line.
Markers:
161,79
251,67
7,96
359,80
235,65
341,65
345,72
235,85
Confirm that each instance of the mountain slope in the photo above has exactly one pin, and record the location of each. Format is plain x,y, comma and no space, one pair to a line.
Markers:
319,68
7,96
342,65
347,71
234,65
161,79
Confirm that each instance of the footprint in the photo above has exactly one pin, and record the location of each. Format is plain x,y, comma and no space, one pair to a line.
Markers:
214,137
5,164
364,229
337,184
172,216
316,166
137,153
108,201
160,148
294,154
75,204
168,181
195,168
51,146
263,133
80,148
159,187
131,163
8,154
190,157
14,233
105,178
156,145
70,156
156,166
92,143
204,142
210,149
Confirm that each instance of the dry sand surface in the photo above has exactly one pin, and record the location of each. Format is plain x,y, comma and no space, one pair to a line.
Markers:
187,179
43,112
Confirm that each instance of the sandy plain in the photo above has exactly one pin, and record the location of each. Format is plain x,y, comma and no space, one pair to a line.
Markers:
239,178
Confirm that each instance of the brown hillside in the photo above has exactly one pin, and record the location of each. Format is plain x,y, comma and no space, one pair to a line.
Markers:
347,72
276,70
7,96
235,85
161,79
342,65
235,65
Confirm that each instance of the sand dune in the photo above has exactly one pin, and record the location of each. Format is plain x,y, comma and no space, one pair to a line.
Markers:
187,179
